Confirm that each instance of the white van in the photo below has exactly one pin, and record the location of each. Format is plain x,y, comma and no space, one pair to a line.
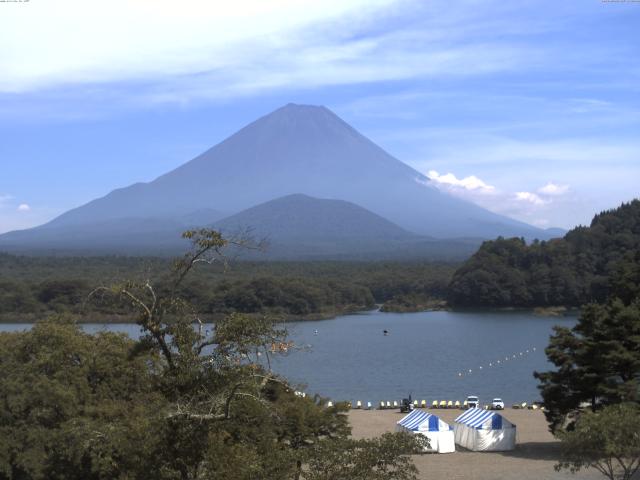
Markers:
473,401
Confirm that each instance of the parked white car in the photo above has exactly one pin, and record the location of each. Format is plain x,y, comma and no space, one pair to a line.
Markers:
497,404
473,401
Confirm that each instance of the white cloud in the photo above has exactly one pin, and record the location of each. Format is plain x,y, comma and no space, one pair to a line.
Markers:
588,105
537,209
23,207
553,189
531,198
88,41
200,49
471,182
4,198
588,173
541,222
14,219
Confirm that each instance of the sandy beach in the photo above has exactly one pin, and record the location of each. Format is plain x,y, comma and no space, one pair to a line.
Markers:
533,459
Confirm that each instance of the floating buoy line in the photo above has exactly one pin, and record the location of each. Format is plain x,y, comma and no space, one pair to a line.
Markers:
501,361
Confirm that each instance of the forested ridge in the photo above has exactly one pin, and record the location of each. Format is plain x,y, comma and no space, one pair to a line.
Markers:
34,286
584,266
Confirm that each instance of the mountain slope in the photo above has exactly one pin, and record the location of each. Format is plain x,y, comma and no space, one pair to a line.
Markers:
128,235
302,218
302,227
309,150
295,149
296,227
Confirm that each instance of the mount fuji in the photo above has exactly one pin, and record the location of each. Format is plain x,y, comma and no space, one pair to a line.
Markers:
297,149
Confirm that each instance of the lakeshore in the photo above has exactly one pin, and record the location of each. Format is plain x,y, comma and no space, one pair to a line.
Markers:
534,457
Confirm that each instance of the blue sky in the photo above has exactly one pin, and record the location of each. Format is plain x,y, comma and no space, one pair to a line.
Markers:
531,109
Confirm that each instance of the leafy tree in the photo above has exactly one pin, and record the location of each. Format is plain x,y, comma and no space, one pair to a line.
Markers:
608,441
16,297
75,406
381,458
65,291
598,361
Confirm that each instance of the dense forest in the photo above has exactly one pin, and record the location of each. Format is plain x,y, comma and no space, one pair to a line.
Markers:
584,266
31,287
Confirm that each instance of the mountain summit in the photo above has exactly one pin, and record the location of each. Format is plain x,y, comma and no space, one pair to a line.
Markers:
295,149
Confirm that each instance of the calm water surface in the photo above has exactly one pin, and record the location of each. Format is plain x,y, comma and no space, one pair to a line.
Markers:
350,359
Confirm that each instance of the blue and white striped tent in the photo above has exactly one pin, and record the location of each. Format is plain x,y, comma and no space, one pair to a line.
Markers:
484,430
439,433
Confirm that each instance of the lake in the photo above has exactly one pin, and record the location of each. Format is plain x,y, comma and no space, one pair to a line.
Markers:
427,354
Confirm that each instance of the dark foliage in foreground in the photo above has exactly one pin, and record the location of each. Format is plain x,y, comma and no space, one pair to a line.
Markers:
592,398
608,441
588,264
180,403
597,362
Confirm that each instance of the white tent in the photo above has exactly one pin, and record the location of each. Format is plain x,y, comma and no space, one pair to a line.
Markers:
483,430
439,433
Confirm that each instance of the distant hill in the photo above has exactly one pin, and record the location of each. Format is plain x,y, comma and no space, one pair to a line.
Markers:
128,235
302,227
295,227
295,149
587,264
303,218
